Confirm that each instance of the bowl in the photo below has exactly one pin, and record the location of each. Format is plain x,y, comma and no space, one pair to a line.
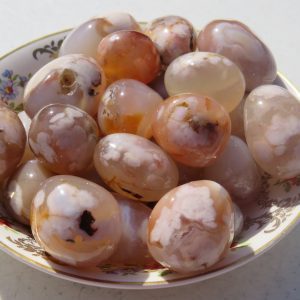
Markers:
267,219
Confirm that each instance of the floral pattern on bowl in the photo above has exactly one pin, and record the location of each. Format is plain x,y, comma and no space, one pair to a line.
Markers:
268,219
11,85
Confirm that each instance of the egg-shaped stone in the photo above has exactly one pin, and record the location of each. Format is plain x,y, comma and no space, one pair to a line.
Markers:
191,227
71,79
84,39
208,74
12,142
237,42
135,167
272,128
76,221
128,54
173,36
235,170
22,188
193,129
128,106
64,138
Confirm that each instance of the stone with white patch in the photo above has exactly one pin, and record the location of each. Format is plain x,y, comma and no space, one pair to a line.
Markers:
72,79
173,37
272,128
237,42
191,227
22,187
64,138
76,221
12,142
135,167
192,128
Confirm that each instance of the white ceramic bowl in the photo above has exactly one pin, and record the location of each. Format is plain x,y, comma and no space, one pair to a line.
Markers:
268,219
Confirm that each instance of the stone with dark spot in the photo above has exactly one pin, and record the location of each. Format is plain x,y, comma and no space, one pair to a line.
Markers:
86,222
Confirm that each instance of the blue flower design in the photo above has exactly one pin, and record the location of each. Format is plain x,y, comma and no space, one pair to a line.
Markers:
7,73
7,90
23,78
11,87
22,81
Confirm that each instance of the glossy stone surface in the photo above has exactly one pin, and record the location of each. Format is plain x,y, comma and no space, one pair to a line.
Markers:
238,220
12,142
237,42
91,174
22,188
188,174
193,129
71,79
128,106
158,85
64,138
26,121
128,54
207,74
76,221
173,36
135,167
236,171
84,39
191,227
132,248
272,128
237,120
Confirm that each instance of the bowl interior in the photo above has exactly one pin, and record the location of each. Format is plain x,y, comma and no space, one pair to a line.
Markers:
267,219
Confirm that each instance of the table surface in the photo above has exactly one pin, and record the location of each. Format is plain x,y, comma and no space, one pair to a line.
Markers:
276,274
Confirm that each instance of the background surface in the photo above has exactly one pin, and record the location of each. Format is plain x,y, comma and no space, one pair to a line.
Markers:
276,274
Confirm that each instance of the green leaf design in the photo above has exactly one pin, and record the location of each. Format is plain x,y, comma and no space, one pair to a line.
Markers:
19,108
